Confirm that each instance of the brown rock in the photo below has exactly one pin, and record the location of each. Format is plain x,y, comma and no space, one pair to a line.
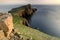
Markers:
14,30
6,23
2,36
30,38
25,11
25,22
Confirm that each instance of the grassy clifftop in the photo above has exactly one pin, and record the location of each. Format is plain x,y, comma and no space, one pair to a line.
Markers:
25,12
28,32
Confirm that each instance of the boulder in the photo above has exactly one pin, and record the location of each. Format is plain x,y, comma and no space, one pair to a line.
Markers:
15,35
30,38
6,23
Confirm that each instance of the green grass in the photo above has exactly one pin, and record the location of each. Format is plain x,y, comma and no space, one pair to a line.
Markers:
30,32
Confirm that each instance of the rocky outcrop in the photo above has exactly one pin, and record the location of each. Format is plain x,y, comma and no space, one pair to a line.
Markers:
24,11
6,23
7,31
25,22
2,36
15,35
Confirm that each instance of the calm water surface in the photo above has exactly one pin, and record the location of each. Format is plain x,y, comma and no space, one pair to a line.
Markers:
47,19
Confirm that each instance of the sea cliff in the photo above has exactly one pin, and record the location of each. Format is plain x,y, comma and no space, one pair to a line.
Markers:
14,25
25,11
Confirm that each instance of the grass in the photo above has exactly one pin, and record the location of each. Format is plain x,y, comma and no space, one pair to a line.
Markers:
30,32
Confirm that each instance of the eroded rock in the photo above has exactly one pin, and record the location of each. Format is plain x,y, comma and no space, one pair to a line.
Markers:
25,22
6,23
2,36
15,35
25,11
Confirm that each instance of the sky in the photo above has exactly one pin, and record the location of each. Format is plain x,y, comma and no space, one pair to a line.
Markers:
29,1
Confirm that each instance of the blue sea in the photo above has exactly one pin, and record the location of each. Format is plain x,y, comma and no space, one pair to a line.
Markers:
45,19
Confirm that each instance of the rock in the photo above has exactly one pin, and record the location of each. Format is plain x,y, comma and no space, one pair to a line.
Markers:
15,36
24,22
30,38
6,23
24,11
14,30
2,36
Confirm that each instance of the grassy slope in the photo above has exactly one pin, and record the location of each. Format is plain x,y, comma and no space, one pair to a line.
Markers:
28,32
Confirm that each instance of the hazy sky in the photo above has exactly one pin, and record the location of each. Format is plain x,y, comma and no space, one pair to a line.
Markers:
30,1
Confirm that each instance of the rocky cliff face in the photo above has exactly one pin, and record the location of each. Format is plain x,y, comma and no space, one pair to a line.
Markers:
2,36
6,23
7,31
23,11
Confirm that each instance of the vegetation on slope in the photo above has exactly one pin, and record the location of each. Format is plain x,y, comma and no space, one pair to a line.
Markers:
28,32
24,12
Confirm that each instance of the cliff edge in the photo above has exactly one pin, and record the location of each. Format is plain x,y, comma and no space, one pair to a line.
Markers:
6,23
25,11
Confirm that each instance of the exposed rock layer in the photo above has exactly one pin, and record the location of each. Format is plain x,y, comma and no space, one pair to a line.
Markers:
6,23
2,36
24,11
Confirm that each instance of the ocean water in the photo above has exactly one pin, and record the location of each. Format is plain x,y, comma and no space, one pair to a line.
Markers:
45,19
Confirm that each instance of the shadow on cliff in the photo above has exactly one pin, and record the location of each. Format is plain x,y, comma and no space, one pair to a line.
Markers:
25,11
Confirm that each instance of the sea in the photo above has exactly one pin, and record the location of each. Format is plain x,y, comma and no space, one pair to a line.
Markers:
46,19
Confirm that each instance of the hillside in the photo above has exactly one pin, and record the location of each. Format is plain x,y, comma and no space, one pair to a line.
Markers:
28,32
20,14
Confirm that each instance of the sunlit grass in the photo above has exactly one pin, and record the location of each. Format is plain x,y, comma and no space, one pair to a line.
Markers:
30,32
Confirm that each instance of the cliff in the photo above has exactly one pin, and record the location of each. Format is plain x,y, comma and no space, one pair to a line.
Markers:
20,31
25,11
21,16
6,23
7,31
